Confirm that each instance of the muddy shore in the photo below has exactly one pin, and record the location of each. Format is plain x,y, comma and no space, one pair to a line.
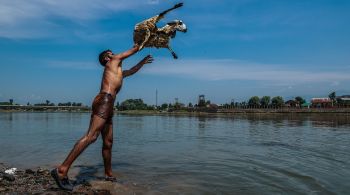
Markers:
39,181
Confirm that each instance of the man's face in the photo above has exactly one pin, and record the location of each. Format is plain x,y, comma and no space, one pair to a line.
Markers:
109,55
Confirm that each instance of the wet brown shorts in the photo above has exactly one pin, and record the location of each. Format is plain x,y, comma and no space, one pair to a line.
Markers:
103,106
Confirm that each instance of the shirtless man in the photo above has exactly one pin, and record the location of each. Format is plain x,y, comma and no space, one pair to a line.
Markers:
102,113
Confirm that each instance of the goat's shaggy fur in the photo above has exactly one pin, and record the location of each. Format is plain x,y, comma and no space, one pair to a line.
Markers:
147,34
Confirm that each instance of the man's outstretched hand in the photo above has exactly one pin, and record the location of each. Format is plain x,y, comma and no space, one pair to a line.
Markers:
147,60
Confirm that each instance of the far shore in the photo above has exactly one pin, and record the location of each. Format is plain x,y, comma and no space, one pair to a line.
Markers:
223,112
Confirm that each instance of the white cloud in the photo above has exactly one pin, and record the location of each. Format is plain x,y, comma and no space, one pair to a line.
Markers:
153,2
36,18
228,69
16,11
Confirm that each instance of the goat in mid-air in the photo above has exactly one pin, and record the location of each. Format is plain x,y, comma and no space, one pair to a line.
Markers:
147,34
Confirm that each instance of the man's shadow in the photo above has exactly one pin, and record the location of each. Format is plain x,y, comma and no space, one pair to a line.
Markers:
87,173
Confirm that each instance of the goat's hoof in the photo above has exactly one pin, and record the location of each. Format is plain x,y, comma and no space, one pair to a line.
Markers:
175,57
179,5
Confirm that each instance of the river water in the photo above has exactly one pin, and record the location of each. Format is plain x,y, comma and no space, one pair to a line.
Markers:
243,154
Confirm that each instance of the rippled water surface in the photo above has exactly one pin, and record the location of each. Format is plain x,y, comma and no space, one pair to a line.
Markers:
244,154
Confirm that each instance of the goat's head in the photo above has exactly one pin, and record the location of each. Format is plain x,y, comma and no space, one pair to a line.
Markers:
178,25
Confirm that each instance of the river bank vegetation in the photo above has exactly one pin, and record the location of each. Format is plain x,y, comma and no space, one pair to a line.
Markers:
332,103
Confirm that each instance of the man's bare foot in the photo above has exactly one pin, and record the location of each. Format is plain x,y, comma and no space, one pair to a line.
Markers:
62,183
111,179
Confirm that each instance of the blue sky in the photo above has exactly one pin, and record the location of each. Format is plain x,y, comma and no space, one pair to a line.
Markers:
233,49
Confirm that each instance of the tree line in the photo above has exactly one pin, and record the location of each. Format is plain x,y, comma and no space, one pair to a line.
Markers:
267,101
138,104
46,103
253,102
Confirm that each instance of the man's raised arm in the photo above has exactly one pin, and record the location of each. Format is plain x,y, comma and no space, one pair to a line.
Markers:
128,53
148,59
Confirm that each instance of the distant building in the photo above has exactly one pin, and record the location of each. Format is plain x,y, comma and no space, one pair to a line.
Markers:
207,108
291,104
212,106
321,102
343,100
306,105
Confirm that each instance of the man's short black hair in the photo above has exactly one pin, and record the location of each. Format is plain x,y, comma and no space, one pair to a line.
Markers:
102,57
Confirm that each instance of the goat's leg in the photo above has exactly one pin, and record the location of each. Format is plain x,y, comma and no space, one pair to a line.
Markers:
168,10
147,36
172,52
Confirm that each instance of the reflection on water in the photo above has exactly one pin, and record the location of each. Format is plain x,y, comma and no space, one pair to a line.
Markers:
238,154
300,119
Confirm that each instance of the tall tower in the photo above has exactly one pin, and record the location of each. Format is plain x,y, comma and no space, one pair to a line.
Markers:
201,100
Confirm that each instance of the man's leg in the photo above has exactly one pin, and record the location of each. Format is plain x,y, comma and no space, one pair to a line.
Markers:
107,137
96,125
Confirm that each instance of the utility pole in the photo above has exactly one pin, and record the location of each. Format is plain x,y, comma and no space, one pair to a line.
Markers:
156,97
